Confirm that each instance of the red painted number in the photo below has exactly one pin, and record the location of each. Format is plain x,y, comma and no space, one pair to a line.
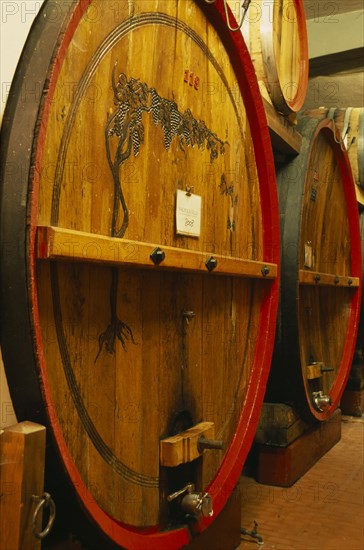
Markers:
191,79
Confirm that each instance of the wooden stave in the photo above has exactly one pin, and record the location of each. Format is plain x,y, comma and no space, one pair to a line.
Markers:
286,363
34,410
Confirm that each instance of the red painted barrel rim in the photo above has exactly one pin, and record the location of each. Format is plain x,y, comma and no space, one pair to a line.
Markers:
230,470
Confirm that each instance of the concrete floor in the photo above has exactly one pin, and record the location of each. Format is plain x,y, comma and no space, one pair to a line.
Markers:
324,510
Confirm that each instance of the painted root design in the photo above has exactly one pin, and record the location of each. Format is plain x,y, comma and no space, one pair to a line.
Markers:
117,328
132,99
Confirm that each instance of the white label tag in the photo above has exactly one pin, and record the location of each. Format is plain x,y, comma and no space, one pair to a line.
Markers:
188,214
309,259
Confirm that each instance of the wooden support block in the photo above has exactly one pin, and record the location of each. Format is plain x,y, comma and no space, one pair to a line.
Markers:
352,402
279,425
313,371
284,466
183,447
22,453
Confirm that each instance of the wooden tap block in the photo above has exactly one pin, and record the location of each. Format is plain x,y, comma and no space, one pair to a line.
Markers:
22,454
314,371
181,448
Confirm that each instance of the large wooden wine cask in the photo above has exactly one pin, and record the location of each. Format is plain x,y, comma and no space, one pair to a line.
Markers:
276,35
140,257
350,122
321,274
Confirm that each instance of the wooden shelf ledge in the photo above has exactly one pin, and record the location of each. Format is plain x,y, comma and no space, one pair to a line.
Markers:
55,243
316,278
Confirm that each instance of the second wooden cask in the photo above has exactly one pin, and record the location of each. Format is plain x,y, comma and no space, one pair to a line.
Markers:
321,275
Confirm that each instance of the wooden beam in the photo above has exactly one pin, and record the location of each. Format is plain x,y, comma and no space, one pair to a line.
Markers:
326,279
349,60
183,447
22,453
284,136
55,243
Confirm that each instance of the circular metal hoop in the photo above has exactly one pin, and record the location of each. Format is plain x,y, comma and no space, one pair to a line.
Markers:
44,501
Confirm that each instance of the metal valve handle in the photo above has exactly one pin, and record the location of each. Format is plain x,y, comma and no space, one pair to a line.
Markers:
197,504
187,489
321,401
194,504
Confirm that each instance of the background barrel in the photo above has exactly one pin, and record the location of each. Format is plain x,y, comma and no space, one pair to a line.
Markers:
350,122
276,35
321,271
356,375
141,301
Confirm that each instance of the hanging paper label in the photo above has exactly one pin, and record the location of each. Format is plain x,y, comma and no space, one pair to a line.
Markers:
188,214
309,257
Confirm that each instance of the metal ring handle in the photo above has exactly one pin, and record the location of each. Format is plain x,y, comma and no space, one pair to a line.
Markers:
43,501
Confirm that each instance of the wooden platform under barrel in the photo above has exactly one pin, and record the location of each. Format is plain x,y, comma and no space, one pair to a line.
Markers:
152,258
321,270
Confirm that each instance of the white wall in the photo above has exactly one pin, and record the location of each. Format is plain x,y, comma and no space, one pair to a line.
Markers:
16,18
337,33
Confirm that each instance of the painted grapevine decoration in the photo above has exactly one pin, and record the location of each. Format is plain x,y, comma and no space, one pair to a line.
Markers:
132,99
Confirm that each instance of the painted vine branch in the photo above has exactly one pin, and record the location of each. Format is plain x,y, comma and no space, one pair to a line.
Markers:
132,99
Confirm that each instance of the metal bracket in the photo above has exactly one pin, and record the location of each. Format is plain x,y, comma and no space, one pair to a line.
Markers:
211,263
157,256
253,533
313,194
